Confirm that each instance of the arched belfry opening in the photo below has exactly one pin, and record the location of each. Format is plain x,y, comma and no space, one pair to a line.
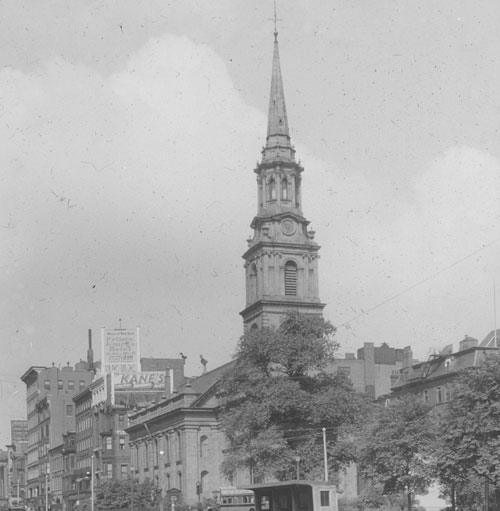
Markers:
290,274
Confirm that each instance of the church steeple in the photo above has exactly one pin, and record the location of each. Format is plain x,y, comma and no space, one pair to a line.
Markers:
281,260
278,135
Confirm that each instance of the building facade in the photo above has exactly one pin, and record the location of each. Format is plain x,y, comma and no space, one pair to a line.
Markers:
372,370
50,414
179,443
433,379
16,461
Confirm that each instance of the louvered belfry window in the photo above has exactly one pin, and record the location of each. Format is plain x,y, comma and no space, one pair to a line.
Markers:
290,279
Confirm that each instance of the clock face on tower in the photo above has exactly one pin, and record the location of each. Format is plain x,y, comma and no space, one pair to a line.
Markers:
288,227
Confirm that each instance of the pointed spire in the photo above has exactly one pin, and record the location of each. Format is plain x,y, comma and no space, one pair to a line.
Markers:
278,144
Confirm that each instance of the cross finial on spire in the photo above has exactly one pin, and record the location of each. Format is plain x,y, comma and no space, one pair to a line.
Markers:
276,19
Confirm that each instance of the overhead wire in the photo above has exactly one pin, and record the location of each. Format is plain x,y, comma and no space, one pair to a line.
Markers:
420,282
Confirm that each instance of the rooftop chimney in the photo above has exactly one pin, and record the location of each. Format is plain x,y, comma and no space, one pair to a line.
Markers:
90,352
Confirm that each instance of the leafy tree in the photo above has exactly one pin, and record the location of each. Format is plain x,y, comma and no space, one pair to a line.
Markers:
396,449
119,495
277,398
468,446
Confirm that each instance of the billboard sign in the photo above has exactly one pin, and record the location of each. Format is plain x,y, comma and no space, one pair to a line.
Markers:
144,380
120,351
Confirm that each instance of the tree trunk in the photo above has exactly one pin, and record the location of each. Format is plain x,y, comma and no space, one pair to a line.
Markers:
453,499
409,500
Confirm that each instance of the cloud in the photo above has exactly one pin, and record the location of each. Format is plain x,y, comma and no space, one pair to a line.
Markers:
413,266
119,196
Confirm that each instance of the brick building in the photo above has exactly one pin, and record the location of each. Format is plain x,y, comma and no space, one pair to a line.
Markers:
50,414
433,379
16,460
372,369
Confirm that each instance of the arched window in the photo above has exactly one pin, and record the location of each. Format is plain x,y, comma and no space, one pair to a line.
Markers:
179,446
254,327
146,456
284,189
253,282
203,480
271,195
290,279
203,446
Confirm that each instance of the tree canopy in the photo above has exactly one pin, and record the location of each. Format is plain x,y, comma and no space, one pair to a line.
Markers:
117,495
397,449
468,446
277,398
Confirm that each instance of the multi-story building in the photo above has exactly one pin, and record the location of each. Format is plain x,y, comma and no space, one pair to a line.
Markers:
100,441
178,442
433,379
50,414
371,371
4,478
16,461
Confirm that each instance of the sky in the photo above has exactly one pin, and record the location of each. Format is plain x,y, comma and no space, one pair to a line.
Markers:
129,131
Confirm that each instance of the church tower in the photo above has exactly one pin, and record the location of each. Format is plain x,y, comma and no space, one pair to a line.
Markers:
281,262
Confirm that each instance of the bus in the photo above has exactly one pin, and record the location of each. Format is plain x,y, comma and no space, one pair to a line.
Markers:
295,496
235,499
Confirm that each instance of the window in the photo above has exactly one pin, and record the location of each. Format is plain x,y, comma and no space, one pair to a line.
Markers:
426,396
290,279
203,481
284,189
121,443
108,470
439,394
203,446
179,446
71,385
121,421
346,371
123,471
108,443
447,394
81,384
59,384
46,384
253,282
271,191
69,410
325,498
166,444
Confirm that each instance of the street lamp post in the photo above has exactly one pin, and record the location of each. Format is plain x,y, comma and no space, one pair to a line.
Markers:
46,492
161,474
92,483
297,459
131,488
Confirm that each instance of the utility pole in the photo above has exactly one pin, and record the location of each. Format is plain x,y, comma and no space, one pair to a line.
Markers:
92,483
324,454
46,491
131,488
